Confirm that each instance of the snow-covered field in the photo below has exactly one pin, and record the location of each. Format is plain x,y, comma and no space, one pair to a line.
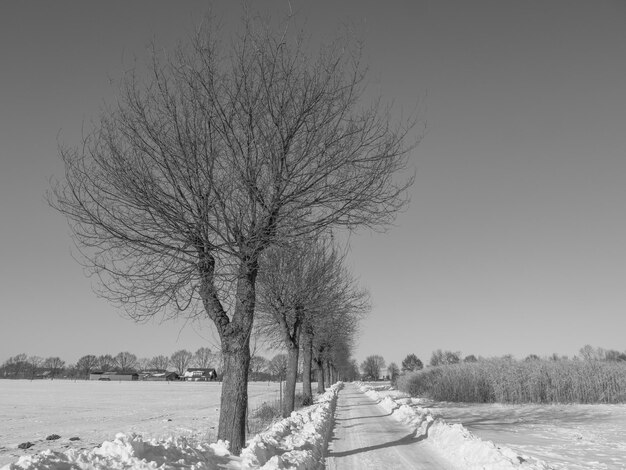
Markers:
172,425
565,437
96,411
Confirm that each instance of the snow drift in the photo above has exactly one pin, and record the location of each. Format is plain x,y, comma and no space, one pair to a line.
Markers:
297,442
455,442
132,451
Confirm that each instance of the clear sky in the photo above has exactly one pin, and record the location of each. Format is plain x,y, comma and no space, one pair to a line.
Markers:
515,239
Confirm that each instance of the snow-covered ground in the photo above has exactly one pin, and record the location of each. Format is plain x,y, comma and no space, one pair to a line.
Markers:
565,437
96,411
164,426
172,425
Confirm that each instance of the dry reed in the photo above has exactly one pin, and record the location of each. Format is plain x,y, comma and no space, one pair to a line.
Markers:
511,381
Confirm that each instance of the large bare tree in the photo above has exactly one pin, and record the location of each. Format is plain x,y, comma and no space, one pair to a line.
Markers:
225,149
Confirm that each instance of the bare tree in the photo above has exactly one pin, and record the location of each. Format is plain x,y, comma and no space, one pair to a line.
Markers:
55,364
204,358
16,366
106,362
258,364
372,366
328,335
441,358
86,364
34,363
143,363
295,283
126,362
160,362
393,371
277,366
180,360
176,193
411,363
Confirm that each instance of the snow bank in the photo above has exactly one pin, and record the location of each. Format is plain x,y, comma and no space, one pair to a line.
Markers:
455,442
297,442
131,451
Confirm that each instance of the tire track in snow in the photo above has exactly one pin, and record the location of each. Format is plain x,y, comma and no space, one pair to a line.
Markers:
366,437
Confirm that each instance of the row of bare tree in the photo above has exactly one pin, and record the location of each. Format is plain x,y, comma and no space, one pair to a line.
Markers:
24,366
225,161
309,304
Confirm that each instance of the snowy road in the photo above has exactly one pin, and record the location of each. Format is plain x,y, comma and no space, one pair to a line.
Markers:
365,436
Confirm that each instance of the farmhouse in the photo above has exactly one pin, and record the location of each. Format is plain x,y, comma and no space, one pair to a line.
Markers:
198,374
96,375
156,375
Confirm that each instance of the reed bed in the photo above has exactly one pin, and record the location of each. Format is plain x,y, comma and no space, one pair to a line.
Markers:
511,381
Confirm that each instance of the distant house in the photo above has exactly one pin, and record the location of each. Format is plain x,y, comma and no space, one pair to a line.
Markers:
156,375
197,374
109,376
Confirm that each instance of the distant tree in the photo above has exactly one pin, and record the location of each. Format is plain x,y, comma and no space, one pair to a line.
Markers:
351,371
470,358
16,366
143,363
589,353
71,372
55,365
181,360
126,362
372,366
532,357
258,364
278,366
34,363
204,358
441,358
86,364
411,363
159,362
393,371
106,363
614,356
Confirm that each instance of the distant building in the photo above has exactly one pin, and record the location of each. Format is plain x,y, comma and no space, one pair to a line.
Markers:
156,375
197,374
109,376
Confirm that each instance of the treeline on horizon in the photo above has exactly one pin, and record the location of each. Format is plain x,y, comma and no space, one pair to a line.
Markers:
23,366
597,375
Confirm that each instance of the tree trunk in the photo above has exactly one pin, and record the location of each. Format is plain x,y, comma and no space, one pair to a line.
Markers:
325,369
320,376
235,341
234,400
290,382
307,358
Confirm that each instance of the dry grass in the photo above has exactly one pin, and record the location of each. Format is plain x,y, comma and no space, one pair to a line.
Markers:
511,381
266,414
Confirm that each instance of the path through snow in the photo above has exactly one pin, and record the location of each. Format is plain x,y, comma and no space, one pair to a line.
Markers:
365,436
